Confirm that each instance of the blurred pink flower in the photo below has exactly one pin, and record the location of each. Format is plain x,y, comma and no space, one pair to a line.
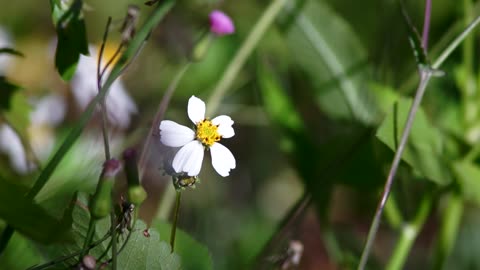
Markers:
220,23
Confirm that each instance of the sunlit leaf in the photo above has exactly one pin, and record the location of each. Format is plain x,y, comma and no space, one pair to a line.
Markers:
425,146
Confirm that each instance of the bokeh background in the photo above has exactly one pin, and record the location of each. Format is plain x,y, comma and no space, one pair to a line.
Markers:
310,167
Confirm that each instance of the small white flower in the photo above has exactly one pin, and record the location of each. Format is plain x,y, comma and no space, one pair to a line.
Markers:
206,135
120,105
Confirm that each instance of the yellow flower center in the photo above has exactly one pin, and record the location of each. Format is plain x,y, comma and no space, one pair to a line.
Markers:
207,133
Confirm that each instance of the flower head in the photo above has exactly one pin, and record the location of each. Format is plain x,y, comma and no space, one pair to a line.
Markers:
220,23
193,143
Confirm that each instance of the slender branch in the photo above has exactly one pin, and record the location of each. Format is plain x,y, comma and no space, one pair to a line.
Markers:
424,79
426,23
106,143
114,241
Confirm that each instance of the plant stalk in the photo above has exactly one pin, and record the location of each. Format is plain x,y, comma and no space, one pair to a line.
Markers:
175,219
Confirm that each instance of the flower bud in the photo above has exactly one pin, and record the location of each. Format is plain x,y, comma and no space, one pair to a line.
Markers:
101,203
220,23
136,193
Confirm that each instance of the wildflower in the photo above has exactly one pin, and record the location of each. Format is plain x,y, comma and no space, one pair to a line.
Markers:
220,23
205,136
120,105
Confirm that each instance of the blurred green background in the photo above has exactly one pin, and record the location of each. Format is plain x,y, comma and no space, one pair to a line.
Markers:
313,111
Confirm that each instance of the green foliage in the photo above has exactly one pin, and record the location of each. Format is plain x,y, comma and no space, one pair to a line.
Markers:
328,50
468,177
193,255
424,151
150,253
20,254
28,217
71,35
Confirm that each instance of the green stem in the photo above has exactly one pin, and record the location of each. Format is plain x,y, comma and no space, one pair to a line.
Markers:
114,240
392,213
175,219
243,53
452,217
88,238
408,235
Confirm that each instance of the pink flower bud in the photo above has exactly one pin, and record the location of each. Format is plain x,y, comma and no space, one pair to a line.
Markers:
220,23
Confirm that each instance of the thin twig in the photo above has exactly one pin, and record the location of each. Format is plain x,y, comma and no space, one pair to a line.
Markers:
106,143
426,24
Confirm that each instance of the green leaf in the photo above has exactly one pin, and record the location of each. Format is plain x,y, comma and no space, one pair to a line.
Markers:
17,112
424,150
27,217
71,34
19,254
149,253
11,51
468,176
327,49
194,256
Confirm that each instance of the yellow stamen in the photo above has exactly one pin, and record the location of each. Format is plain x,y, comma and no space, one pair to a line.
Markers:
207,133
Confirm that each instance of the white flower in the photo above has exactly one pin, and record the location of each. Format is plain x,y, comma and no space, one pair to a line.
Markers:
120,105
206,135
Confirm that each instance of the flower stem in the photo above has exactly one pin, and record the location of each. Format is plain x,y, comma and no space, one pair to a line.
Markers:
243,53
175,219
449,229
409,233
88,238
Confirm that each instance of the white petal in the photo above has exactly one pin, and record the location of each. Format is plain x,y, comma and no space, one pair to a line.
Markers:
189,158
224,124
175,135
196,109
222,159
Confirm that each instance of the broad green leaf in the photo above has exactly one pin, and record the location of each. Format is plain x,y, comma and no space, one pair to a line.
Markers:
71,35
194,256
149,252
327,49
27,217
468,176
80,220
19,254
424,150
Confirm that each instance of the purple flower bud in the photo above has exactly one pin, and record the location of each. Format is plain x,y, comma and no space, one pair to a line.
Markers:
220,23
111,168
